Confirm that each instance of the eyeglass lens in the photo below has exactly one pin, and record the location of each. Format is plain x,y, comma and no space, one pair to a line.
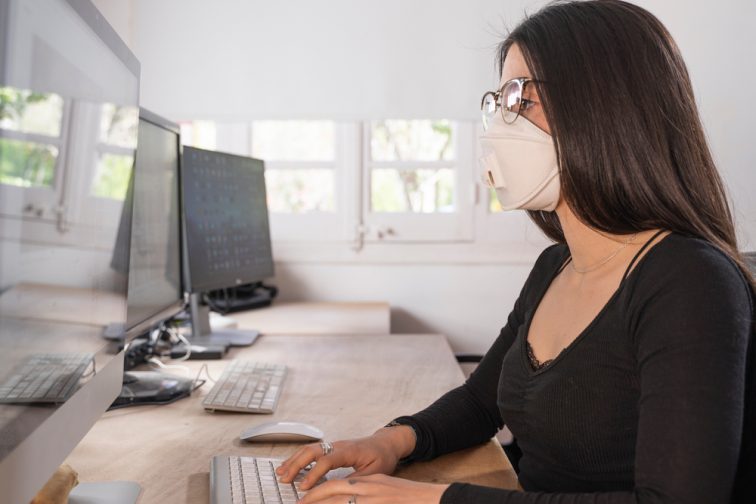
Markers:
511,96
488,107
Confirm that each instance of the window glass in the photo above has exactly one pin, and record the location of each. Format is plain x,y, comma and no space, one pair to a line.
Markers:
493,201
28,112
118,136
23,162
413,140
418,191
27,164
111,178
199,134
287,147
118,126
300,191
409,169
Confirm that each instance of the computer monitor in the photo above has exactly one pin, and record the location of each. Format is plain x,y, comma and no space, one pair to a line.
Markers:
152,222
68,133
227,233
155,291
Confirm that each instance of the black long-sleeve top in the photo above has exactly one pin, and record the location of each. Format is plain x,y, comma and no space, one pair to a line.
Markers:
652,403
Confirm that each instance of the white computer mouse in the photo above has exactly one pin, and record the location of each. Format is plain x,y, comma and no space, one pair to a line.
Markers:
282,432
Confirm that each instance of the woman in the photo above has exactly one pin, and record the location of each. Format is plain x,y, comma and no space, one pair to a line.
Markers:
625,369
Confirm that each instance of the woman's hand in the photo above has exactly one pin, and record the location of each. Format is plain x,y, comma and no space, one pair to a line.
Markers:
375,489
374,454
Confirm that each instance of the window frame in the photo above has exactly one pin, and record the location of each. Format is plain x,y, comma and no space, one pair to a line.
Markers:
38,202
318,226
80,206
410,227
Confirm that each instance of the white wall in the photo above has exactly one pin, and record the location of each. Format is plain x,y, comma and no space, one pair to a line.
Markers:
467,302
373,59
343,59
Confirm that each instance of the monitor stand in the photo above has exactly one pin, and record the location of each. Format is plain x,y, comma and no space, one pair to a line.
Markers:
202,334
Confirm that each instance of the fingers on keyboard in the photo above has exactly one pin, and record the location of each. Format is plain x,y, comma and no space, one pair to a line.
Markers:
301,459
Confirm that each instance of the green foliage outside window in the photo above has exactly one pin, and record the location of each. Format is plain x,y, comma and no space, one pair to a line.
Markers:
412,190
112,179
26,164
13,102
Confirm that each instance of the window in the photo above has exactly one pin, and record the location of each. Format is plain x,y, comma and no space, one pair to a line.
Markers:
115,152
399,186
300,160
30,143
418,180
393,180
200,134
304,170
31,151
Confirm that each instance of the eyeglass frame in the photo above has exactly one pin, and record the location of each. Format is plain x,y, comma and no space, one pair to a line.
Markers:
522,81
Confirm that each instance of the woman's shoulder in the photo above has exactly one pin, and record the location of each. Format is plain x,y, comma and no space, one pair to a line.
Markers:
676,254
689,266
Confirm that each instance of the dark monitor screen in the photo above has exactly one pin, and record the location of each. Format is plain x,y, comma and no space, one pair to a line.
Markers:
155,289
226,219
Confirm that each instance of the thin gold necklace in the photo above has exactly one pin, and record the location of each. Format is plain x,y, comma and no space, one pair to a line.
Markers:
606,259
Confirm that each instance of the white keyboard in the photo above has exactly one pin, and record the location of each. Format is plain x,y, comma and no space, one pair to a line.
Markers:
247,387
45,378
251,480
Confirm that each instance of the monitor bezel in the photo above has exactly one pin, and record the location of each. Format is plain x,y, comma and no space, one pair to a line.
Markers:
92,16
178,305
190,286
87,11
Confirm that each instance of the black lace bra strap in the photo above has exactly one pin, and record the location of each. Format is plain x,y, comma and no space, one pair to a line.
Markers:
637,255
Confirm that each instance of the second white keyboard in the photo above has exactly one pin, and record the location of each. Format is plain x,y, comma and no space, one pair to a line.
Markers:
247,387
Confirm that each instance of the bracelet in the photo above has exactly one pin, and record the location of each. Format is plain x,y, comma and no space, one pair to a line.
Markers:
395,423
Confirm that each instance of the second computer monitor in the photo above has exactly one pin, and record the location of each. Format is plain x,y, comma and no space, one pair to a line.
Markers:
155,288
227,233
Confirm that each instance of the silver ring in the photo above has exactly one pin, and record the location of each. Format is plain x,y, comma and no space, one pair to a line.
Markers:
326,447
352,500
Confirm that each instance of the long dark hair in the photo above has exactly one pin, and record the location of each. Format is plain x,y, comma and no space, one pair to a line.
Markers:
631,149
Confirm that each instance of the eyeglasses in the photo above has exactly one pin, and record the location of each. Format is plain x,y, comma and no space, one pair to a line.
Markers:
508,99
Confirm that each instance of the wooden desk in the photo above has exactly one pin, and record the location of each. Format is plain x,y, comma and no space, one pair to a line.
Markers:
347,386
318,318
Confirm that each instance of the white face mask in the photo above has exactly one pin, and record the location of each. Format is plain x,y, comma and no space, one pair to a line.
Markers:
519,162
